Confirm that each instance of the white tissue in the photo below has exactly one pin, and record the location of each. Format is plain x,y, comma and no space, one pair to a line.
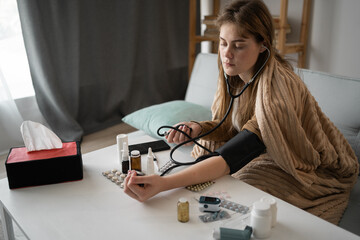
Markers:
38,137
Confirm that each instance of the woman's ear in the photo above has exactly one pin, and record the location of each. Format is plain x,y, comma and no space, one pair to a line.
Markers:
262,48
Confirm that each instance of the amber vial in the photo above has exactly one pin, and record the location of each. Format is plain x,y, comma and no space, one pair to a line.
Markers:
135,160
183,210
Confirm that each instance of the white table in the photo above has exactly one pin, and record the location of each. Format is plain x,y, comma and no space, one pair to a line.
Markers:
96,208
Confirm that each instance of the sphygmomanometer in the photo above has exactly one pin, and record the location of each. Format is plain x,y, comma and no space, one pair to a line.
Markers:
238,151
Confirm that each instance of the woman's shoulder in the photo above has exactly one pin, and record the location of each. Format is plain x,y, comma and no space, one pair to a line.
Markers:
291,78
287,82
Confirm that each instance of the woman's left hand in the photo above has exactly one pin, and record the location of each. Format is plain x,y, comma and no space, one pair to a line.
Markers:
190,128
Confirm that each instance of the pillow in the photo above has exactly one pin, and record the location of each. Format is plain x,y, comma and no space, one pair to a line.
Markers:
149,119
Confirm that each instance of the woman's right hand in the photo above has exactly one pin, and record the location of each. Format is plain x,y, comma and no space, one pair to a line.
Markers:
192,129
151,185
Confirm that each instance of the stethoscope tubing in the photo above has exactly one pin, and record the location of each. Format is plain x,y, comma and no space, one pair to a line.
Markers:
194,140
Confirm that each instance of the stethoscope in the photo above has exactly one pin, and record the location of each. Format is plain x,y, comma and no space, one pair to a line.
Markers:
173,163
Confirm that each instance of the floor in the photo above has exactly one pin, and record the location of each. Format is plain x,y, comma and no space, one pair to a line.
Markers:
91,142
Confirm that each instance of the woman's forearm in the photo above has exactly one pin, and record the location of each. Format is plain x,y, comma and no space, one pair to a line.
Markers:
209,169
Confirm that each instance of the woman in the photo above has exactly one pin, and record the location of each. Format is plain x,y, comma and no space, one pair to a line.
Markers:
295,154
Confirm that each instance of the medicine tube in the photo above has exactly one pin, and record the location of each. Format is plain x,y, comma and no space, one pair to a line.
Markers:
135,160
150,163
183,210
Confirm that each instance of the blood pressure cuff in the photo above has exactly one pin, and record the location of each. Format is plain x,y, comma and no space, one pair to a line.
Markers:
241,149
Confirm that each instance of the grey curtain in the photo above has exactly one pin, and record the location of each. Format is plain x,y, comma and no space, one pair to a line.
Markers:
94,61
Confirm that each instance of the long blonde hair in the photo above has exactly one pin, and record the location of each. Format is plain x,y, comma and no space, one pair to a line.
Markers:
253,18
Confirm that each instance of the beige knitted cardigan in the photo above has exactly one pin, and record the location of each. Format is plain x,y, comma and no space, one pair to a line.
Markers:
308,162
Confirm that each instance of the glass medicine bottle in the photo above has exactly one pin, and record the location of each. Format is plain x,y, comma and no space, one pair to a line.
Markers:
183,210
135,160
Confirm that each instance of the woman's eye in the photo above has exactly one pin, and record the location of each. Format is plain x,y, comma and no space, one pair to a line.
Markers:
223,44
239,46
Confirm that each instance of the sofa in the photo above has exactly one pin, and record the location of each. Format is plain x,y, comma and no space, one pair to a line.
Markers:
338,97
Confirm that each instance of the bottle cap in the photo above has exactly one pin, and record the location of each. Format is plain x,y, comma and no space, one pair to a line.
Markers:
182,200
261,208
269,200
135,152
121,137
124,155
125,152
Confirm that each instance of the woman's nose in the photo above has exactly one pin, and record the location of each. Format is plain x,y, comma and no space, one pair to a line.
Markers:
228,53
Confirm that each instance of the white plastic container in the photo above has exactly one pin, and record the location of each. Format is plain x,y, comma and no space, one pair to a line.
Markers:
260,219
273,209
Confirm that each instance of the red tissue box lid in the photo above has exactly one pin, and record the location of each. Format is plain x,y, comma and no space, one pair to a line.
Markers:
22,155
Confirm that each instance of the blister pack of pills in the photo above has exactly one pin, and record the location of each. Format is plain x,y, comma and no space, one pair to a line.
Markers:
166,166
236,207
200,186
216,216
116,176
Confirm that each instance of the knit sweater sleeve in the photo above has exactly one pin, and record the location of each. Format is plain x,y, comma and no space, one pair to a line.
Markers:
253,126
222,134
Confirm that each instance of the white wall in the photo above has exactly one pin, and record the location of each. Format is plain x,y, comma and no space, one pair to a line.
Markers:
334,34
335,37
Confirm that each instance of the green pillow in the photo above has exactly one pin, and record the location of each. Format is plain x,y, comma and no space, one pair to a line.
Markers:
149,119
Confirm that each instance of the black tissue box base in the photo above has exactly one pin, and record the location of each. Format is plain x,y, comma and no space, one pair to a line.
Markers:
45,171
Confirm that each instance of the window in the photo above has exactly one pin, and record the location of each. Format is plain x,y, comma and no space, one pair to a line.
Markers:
13,60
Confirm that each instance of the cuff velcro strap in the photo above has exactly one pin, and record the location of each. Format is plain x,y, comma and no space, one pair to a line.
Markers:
241,149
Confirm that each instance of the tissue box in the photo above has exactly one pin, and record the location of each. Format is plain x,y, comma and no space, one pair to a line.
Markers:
35,168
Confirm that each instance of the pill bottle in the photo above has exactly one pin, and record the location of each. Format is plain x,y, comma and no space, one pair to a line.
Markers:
135,160
183,210
273,209
125,163
260,219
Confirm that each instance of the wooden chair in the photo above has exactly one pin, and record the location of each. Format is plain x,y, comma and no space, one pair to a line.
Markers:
298,47
195,39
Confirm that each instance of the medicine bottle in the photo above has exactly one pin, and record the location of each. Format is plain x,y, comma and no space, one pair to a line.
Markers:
125,159
135,160
120,140
183,210
150,163
273,209
260,219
